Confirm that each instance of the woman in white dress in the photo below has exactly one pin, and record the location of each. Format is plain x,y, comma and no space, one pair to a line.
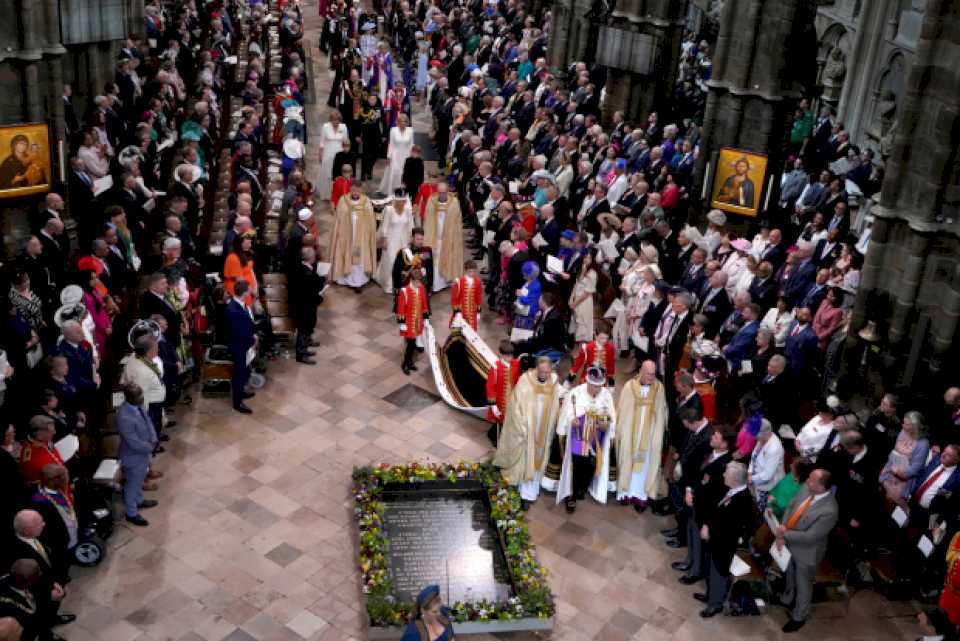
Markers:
644,290
581,300
332,135
395,232
398,150
630,278
401,142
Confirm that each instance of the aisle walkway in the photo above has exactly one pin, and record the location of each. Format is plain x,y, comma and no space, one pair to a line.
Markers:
254,535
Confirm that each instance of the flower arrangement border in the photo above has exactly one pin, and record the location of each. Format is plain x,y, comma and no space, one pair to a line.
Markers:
532,599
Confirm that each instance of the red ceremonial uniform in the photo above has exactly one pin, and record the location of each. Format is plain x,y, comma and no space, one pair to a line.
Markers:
412,304
588,355
423,195
500,384
34,456
466,294
341,187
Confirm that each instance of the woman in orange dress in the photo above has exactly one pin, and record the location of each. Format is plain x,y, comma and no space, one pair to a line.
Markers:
950,597
239,266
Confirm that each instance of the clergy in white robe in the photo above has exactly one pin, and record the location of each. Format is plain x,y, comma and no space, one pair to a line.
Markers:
443,232
643,421
586,426
530,417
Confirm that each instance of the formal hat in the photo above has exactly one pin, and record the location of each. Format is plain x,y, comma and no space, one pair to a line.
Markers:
611,219
305,214
662,286
426,594
569,234
765,427
530,269
630,250
741,245
695,236
653,267
73,311
368,26
193,176
293,148
717,217
677,290
71,295
649,252
869,333
596,375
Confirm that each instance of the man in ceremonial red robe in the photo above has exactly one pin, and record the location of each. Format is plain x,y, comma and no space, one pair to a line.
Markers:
599,352
413,308
341,186
466,295
501,379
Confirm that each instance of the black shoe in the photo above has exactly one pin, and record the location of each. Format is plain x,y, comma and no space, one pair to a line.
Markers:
420,349
675,544
670,532
53,637
356,290
688,579
312,343
64,619
308,352
571,505
406,370
306,360
640,507
159,449
664,510
793,625
138,520
681,566
164,438
700,596
525,504
413,367
243,409
247,395
147,503
708,613
171,423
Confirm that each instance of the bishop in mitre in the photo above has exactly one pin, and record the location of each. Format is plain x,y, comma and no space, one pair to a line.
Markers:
353,242
643,418
528,426
587,425
443,229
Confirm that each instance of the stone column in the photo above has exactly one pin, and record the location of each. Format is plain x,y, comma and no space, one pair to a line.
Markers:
755,82
914,255
854,103
30,18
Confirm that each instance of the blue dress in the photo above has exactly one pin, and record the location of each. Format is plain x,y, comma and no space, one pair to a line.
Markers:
532,300
417,631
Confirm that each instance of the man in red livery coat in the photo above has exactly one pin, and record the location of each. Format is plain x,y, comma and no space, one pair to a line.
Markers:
341,186
599,352
500,381
38,451
466,295
413,308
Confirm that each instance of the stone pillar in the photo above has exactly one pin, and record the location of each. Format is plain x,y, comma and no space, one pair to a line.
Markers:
755,85
857,89
913,261
31,18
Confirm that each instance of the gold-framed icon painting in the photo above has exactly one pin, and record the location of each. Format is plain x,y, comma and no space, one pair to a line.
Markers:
738,181
25,166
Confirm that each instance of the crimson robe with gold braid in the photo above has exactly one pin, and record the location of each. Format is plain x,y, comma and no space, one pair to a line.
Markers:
466,295
412,304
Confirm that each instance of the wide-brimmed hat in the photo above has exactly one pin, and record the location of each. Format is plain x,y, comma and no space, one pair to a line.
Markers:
71,295
610,219
717,217
293,148
73,311
649,252
741,245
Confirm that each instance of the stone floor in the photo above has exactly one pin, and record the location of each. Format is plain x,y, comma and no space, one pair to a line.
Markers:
254,535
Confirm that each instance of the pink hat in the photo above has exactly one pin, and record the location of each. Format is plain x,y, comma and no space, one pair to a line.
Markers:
741,245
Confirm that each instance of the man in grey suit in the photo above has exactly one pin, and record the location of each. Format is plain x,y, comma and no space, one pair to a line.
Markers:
807,523
138,439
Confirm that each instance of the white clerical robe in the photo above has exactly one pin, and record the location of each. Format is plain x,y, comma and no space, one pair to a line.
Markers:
643,416
578,402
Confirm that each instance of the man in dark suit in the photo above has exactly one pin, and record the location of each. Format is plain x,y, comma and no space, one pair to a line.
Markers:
52,500
776,392
305,296
733,519
670,337
688,460
601,205
702,499
79,357
774,253
798,282
153,301
55,249
694,275
715,304
858,495
669,250
549,330
744,342
18,602
817,291
801,350
291,253
763,288
242,338
28,528
828,250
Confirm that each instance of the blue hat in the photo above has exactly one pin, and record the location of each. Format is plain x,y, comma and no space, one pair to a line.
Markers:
530,269
426,594
569,234
621,163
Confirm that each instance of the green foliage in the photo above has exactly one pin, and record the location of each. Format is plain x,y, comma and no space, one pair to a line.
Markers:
533,597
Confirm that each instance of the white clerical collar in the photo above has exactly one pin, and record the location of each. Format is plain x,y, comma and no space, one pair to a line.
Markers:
714,455
240,301
859,455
